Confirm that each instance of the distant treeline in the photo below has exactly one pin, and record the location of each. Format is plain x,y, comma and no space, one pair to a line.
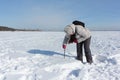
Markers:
4,28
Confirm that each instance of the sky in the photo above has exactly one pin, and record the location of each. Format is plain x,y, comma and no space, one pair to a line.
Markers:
56,14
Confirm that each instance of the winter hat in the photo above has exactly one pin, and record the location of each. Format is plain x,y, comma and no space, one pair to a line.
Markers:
78,23
70,29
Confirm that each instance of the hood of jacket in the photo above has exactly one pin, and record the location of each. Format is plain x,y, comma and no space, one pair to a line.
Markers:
70,29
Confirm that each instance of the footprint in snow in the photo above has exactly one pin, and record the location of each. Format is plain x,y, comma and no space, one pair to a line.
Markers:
74,73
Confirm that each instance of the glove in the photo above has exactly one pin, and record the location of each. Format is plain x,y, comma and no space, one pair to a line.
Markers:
64,46
75,41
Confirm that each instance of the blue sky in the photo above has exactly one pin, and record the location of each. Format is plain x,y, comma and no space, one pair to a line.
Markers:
56,14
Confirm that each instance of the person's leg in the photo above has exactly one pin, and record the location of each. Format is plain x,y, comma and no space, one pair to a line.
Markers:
87,50
79,51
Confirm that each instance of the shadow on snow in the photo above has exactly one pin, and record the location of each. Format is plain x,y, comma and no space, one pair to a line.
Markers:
47,52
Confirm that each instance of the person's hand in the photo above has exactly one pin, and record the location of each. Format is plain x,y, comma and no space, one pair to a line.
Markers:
64,46
75,41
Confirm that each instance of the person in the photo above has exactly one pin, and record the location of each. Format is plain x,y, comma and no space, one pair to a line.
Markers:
78,33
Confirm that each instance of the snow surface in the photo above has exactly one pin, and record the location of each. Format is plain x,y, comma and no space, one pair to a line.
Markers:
39,56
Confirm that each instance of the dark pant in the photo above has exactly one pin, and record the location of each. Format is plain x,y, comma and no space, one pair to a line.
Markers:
87,50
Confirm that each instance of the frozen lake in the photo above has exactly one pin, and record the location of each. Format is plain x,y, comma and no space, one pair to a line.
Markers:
39,56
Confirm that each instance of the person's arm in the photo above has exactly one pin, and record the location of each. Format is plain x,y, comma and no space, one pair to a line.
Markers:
65,41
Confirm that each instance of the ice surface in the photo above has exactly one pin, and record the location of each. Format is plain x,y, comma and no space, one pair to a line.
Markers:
39,56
